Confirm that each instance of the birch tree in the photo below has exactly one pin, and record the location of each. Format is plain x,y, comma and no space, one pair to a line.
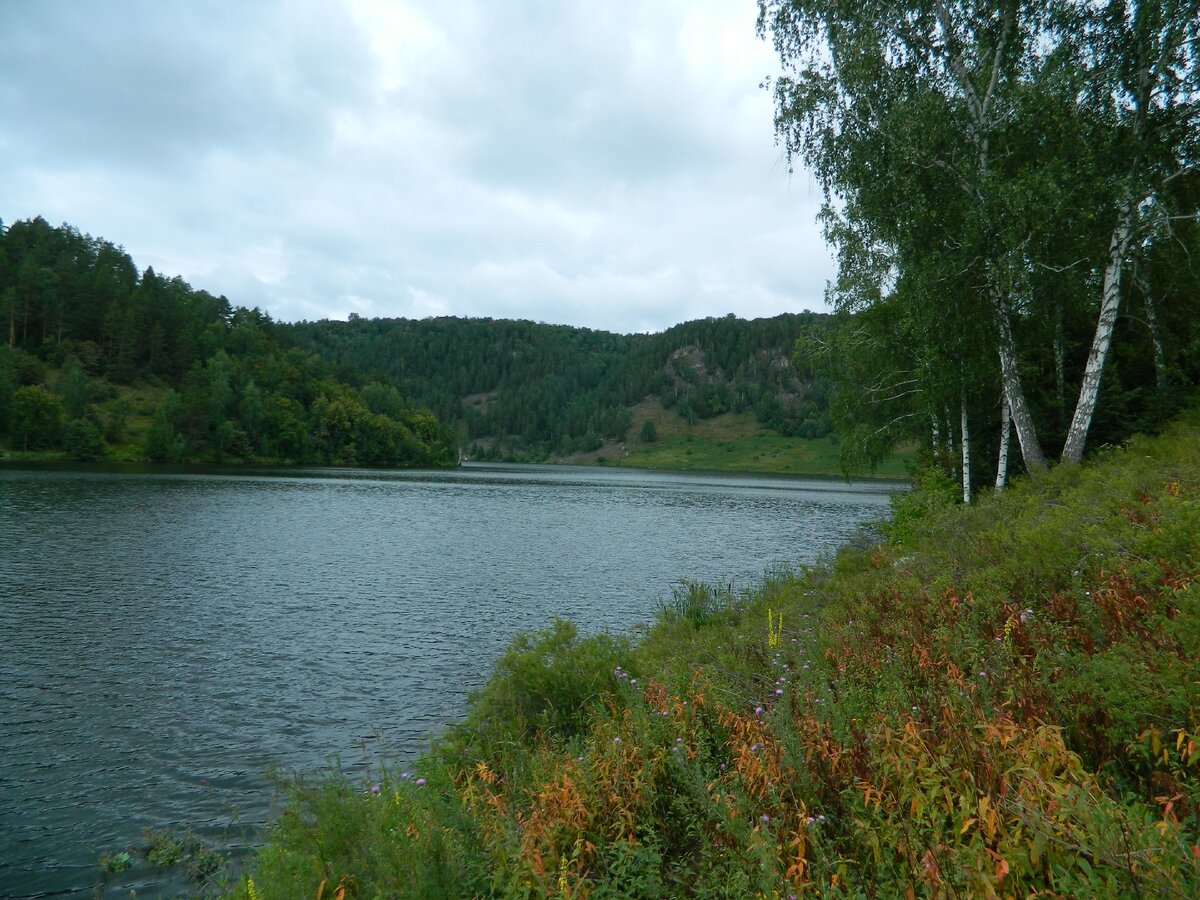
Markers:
896,107
1000,161
1144,58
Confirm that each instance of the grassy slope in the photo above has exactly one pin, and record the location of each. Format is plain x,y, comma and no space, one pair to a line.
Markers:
732,442
143,399
999,701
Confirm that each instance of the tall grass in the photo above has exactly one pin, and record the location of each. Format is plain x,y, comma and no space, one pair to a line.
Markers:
1001,700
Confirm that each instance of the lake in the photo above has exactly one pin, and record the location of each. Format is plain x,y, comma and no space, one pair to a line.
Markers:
168,636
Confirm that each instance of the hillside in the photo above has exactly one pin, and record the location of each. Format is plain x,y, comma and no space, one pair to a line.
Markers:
526,390
999,700
104,361
101,361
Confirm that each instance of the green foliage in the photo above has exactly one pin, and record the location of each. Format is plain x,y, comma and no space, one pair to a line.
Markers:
116,419
649,433
35,418
161,847
695,603
932,492
82,440
999,702
995,176
111,863
733,442
74,389
235,388
397,837
163,444
520,389
165,848
547,683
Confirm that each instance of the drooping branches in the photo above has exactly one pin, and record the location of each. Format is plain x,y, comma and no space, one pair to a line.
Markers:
986,168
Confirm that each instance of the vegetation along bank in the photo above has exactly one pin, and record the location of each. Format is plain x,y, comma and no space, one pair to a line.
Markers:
99,361
998,700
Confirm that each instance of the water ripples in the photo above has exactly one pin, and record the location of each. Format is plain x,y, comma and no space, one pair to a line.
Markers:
165,639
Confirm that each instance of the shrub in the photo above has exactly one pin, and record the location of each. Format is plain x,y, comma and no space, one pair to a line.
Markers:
35,418
546,683
82,440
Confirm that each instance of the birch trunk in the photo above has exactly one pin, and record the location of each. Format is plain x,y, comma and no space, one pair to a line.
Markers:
1160,356
966,455
948,448
1014,395
1060,367
1005,431
1110,303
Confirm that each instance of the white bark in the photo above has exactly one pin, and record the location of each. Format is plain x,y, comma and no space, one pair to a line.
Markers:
1110,303
1060,368
1014,395
966,455
980,109
1005,431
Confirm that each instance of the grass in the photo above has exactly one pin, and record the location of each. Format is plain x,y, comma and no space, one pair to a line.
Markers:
731,442
142,399
998,700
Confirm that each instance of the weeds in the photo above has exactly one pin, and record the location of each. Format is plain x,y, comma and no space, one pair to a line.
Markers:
1000,701
164,848
119,861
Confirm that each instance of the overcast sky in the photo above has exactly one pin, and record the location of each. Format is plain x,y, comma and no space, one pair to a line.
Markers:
610,164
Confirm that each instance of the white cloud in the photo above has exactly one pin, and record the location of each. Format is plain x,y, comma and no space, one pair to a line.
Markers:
609,165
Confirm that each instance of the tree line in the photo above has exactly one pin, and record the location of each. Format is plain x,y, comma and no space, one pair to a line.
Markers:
531,389
1012,190
83,328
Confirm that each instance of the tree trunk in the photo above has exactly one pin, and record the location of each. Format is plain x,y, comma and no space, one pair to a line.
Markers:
1005,431
1060,367
937,439
1031,450
948,448
966,455
1110,303
1160,356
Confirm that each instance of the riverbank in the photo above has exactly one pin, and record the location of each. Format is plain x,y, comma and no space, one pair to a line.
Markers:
730,442
998,700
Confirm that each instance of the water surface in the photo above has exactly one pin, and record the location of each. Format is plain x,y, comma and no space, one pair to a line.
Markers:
166,637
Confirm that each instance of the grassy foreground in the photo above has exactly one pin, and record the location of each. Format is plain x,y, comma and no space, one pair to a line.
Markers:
1001,700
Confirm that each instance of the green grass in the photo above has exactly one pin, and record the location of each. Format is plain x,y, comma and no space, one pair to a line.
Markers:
999,700
764,451
732,442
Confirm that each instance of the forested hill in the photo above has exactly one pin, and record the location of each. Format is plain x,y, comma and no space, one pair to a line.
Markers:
98,359
535,390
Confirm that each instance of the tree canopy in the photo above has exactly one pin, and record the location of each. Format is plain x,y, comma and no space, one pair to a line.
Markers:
999,179
80,321
532,389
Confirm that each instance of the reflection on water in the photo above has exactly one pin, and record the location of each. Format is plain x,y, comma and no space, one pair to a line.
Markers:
166,637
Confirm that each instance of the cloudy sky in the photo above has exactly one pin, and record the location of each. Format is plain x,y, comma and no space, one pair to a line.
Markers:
609,164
